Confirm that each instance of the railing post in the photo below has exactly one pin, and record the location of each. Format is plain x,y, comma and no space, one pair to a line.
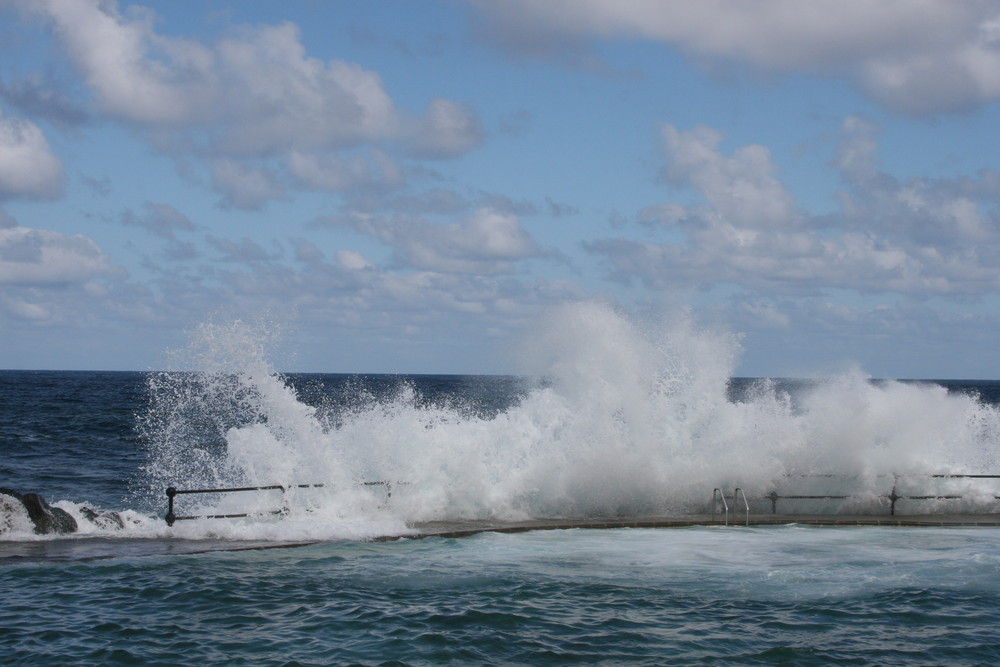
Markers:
774,500
171,517
893,497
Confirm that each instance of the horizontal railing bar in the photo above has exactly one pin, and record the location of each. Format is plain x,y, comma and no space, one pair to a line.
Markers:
896,475
273,487
883,495
224,516
832,474
772,496
172,492
892,496
967,476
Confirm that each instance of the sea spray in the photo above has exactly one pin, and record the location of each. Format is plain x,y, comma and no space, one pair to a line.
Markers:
623,418
230,420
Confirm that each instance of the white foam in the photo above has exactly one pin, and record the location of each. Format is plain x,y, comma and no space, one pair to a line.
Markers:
629,420
14,520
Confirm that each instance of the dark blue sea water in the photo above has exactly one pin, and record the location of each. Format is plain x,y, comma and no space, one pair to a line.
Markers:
488,447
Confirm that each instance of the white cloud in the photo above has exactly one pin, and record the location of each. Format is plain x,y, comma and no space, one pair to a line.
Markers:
37,257
350,173
928,216
280,99
918,236
27,167
112,54
857,151
259,83
485,242
447,129
880,334
256,91
923,56
352,261
25,309
37,96
253,95
741,188
361,298
244,186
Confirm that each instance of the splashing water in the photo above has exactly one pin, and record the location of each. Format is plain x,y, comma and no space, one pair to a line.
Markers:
627,421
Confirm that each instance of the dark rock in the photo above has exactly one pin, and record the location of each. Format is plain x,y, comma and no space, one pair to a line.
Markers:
47,519
106,519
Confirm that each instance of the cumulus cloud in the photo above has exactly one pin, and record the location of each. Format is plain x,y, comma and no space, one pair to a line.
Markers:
353,261
254,94
486,242
258,88
931,217
374,171
447,129
27,167
37,257
356,294
741,188
112,53
281,99
37,97
918,57
910,237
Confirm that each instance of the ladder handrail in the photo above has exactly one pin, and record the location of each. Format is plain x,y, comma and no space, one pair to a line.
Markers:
746,503
719,493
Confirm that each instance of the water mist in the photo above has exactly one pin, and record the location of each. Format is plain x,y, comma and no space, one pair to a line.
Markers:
622,419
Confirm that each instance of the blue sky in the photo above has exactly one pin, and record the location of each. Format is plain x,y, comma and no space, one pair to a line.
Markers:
408,187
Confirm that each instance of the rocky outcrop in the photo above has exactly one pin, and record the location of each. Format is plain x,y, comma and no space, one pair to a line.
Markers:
45,518
105,519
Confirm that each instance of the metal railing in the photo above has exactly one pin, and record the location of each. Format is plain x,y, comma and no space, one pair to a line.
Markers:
893,496
746,504
172,492
719,495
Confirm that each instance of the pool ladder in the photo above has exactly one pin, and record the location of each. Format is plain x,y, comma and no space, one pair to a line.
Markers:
719,494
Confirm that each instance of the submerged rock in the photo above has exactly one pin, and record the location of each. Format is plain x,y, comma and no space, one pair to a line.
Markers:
106,519
45,518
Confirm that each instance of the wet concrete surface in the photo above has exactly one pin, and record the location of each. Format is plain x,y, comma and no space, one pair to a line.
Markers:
466,528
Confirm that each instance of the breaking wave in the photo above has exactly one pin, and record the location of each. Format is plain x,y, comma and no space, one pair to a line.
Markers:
619,419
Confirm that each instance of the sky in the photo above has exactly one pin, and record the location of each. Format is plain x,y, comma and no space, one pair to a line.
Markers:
409,187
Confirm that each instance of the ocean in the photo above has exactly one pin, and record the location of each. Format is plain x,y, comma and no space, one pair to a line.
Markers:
306,578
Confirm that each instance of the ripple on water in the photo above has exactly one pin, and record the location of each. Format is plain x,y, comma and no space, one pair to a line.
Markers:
560,597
